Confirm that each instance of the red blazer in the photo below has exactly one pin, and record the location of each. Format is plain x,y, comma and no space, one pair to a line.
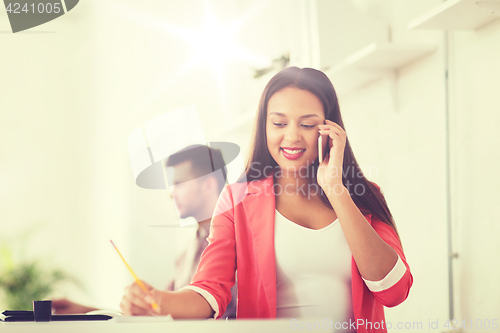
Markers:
242,238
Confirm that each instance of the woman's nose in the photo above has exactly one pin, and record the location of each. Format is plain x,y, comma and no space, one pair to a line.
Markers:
292,134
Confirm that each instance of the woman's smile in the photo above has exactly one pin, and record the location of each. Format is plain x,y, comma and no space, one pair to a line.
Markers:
292,153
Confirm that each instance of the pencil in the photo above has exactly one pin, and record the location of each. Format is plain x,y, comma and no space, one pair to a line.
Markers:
139,282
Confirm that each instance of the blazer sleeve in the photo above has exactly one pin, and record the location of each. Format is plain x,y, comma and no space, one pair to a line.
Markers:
216,272
399,291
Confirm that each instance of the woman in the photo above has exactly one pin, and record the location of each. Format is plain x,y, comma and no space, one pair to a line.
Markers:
307,239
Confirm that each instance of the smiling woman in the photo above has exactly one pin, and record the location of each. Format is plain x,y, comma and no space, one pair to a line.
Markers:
304,245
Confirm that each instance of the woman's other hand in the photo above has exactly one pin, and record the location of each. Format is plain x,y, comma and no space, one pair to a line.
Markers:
136,302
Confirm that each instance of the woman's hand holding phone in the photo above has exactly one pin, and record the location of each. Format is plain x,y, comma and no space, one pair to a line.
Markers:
330,169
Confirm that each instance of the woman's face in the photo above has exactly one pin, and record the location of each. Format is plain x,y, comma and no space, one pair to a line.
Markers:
293,116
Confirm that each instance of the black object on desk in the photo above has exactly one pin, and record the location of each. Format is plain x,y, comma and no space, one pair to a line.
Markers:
42,310
16,313
20,318
13,315
82,317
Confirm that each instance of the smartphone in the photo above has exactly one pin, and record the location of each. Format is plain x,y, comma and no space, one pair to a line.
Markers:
322,148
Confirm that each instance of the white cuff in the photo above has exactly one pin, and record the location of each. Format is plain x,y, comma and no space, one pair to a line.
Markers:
390,279
207,296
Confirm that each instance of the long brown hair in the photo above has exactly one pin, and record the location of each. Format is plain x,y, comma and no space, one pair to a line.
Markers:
371,201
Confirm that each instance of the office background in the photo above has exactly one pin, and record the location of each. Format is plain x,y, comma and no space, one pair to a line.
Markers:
73,89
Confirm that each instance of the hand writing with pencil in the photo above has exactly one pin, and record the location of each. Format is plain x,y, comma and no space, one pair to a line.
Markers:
139,295
181,304
139,302
141,299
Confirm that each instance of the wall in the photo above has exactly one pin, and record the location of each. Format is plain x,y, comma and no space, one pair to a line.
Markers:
45,166
475,120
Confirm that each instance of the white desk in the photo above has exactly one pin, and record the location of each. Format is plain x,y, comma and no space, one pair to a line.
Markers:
177,326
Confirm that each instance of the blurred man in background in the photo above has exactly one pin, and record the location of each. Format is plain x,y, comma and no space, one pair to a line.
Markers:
197,175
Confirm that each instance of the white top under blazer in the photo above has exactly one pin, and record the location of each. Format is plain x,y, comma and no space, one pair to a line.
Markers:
313,272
